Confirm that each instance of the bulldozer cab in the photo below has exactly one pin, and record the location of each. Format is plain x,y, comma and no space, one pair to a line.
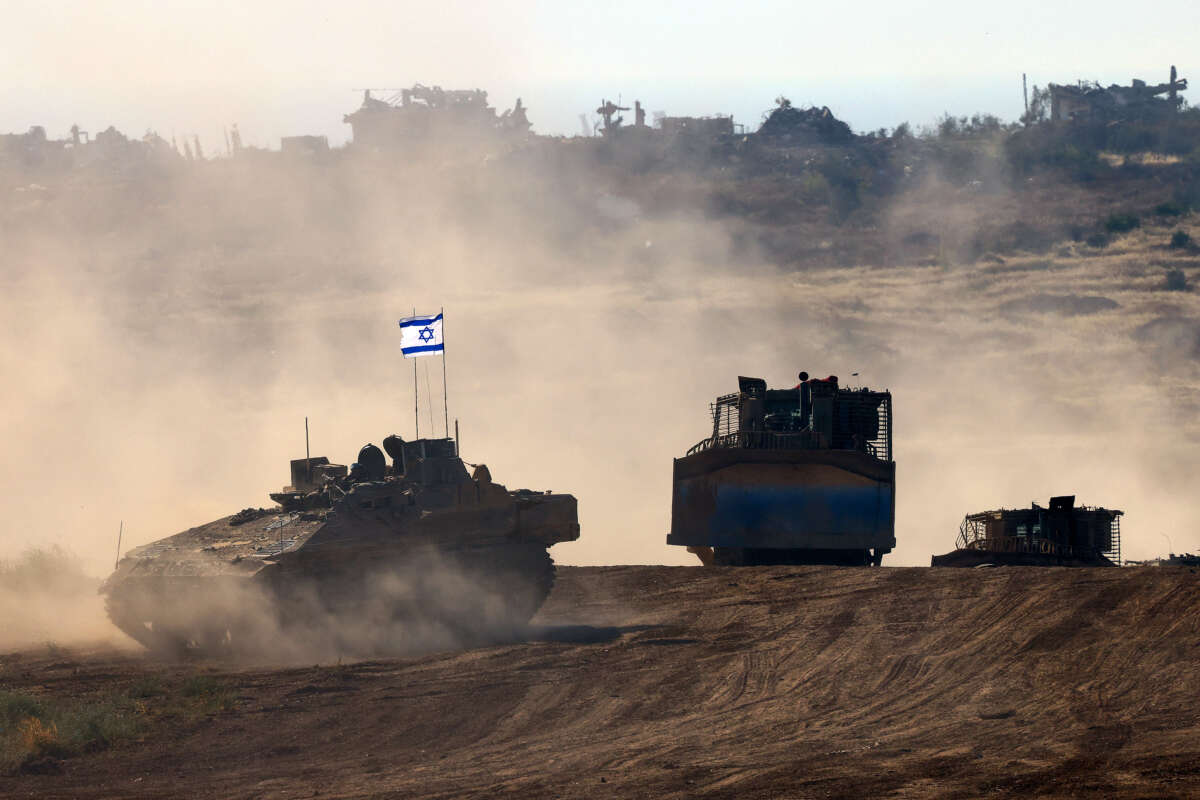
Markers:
817,414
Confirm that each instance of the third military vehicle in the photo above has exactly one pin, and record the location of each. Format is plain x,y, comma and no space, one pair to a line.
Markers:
789,476
1060,535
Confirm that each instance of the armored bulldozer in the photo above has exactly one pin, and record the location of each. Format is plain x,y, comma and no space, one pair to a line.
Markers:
351,560
789,476
1060,535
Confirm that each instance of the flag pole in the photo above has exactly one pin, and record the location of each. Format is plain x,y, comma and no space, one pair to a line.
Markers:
429,400
445,391
416,394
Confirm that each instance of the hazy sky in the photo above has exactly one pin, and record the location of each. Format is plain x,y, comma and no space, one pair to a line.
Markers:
280,68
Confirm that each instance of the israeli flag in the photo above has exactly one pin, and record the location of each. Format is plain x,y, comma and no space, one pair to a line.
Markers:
421,336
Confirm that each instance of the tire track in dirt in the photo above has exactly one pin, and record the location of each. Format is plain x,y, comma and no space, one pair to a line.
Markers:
724,682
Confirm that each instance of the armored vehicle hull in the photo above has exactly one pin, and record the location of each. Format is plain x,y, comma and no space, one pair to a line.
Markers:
793,476
424,551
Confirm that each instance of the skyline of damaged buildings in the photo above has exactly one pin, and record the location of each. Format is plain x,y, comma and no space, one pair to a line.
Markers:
431,113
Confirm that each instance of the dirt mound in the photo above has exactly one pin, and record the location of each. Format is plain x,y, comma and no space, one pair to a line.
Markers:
723,682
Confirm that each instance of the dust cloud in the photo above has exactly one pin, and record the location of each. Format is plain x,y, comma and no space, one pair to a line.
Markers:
430,602
47,598
163,336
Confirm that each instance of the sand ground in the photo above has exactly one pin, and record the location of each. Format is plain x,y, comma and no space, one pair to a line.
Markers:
725,682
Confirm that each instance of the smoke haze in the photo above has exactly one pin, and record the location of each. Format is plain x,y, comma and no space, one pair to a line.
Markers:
47,597
165,336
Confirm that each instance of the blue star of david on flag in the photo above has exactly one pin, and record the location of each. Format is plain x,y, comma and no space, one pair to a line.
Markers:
421,336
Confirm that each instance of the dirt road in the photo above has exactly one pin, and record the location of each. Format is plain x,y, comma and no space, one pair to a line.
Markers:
683,682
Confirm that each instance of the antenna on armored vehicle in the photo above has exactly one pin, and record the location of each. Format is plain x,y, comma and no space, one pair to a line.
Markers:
120,531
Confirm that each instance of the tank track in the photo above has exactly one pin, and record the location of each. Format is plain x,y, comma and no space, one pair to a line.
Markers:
149,612
366,606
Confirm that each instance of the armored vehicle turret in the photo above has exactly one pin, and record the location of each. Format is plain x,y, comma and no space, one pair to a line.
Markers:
352,560
789,476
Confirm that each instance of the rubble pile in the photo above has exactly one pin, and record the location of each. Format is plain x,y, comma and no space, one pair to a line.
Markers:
815,125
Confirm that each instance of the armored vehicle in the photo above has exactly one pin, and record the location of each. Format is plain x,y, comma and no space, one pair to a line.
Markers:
1063,535
1172,560
789,476
351,559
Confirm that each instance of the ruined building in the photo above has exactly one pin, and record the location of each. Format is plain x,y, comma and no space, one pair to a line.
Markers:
1086,102
612,123
426,112
704,127
35,150
808,126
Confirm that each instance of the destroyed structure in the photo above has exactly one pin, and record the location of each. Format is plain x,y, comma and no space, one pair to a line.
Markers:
1062,535
612,123
805,125
431,114
1172,560
1087,102
712,127
445,116
425,112
34,149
